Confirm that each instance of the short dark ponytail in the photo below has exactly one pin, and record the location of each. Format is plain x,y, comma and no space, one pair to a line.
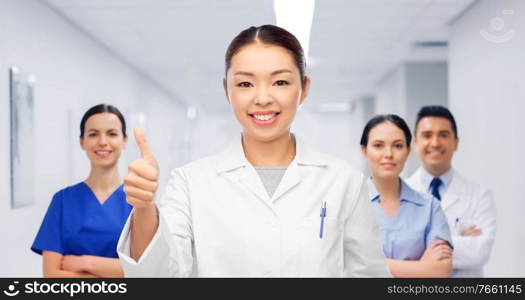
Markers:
394,119
98,109
437,111
270,35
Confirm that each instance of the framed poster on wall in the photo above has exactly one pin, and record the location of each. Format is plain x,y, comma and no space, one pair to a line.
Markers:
22,138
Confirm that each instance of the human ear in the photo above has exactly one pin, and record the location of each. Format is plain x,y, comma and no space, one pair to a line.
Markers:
225,86
305,89
363,151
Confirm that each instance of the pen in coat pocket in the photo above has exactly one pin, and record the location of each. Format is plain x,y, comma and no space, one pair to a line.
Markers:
323,214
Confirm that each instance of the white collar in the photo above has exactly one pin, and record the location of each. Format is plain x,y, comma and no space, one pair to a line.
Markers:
233,157
446,178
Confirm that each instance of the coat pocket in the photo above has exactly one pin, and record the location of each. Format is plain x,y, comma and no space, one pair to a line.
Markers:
321,257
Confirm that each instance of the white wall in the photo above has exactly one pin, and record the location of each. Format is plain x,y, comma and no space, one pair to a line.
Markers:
427,84
72,73
211,133
487,97
334,133
390,95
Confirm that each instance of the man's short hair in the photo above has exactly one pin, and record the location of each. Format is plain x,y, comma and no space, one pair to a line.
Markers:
437,111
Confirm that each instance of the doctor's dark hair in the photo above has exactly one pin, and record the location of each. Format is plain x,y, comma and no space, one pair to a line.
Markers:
98,109
270,35
437,111
394,119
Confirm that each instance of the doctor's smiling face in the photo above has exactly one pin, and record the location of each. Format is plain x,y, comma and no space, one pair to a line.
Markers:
265,85
103,139
385,145
436,143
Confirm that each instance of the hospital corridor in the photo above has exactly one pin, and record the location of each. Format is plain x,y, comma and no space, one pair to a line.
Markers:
172,69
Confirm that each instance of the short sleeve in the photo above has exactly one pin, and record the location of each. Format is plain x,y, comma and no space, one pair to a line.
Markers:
438,227
49,236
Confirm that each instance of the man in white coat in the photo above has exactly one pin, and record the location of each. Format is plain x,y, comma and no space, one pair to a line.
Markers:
469,207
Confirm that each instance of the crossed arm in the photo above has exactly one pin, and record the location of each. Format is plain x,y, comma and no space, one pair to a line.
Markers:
81,266
435,262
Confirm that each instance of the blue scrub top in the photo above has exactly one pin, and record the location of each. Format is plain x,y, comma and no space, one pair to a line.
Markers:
76,223
419,222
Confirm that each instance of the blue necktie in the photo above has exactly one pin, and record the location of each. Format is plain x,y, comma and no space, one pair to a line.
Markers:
434,187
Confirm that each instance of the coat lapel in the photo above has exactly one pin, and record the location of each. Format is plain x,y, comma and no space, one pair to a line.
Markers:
234,161
291,178
304,156
451,194
252,181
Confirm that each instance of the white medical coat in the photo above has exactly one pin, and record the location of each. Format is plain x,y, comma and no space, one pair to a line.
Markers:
466,203
217,220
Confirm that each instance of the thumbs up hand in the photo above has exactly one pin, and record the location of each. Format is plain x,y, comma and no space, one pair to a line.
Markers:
141,183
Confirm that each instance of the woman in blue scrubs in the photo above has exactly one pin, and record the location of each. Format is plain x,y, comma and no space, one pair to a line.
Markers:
79,234
414,230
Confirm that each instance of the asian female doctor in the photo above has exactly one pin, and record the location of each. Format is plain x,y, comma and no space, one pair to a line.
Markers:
79,234
414,230
268,205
